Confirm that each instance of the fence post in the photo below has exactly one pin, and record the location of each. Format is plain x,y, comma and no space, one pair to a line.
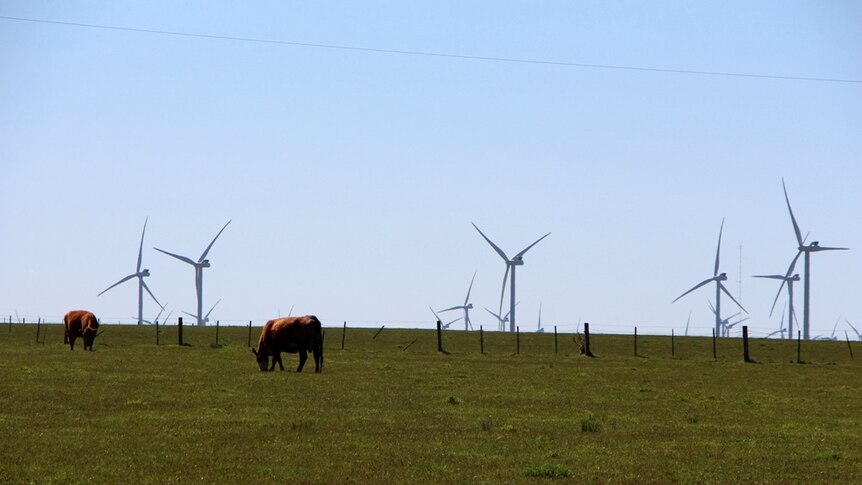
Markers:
714,354
378,333
481,340
249,334
586,349
439,336
180,331
343,334
38,328
157,331
556,348
217,325
636,341
10,323
848,344
672,353
518,340
745,343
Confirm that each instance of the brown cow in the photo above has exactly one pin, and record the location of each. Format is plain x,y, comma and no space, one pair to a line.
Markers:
81,323
292,335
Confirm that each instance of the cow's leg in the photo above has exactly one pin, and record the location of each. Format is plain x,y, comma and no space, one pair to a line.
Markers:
71,341
318,359
276,359
303,356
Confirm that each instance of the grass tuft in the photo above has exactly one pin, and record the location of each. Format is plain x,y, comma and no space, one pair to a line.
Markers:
546,471
593,424
453,400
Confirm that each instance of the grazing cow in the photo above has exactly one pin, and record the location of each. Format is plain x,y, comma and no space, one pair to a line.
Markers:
81,323
292,335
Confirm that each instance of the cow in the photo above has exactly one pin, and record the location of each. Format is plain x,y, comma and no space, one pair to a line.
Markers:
292,335
81,323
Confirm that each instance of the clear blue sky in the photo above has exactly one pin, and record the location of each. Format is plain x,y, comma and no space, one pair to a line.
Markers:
352,177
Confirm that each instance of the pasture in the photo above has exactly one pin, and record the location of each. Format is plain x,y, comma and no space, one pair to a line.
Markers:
134,412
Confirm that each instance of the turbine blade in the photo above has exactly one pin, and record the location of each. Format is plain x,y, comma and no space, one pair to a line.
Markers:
503,291
207,250
858,335
770,276
731,297
784,280
181,258
711,308
496,248
151,294
459,307
792,218
466,300
531,245
694,288
211,309
718,249
827,248
189,314
141,247
437,317
127,278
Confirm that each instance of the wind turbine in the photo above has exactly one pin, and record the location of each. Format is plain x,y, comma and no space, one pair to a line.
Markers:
501,321
140,274
718,278
858,334
807,249
791,312
437,317
781,328
207,316
539,328
511,264
687,321
148,322
199,266
467,306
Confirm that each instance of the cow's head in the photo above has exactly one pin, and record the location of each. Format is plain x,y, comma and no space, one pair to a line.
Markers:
262,359
89,335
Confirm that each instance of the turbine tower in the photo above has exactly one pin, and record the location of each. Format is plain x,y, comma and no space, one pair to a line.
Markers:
807,249
140,274
467,306
718,278
790,311
199,266
518,260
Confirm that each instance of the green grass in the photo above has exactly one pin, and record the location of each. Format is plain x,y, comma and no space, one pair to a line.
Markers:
134,412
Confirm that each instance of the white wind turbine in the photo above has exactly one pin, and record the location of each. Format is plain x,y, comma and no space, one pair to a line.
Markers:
858,334
807,249
199,266
539,327
207,316
717,278
467,306
140,274
791,312
511,264
437,317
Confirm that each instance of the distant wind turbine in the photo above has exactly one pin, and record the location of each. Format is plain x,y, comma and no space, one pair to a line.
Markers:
807,249
858,334
539,327
199,266
437,317
511,264
207,316
717,278
467,306
781,328
140,274
791,312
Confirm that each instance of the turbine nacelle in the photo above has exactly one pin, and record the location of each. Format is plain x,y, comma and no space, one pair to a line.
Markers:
204,264
721,277
144,273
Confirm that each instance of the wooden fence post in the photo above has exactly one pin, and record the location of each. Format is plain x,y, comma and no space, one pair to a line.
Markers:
217,326
180,331
481,341
378,333
636,341
745,343
343,335
556,347
249,334
439,336
38,328
518,340
586,349
848,344
157,331
714,354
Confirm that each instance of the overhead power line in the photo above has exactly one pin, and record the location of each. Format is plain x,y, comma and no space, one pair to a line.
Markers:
437,54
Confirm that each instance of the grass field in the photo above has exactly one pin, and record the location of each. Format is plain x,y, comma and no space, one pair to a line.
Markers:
134,412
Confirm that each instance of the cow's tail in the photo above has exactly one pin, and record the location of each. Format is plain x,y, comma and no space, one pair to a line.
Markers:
318,327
